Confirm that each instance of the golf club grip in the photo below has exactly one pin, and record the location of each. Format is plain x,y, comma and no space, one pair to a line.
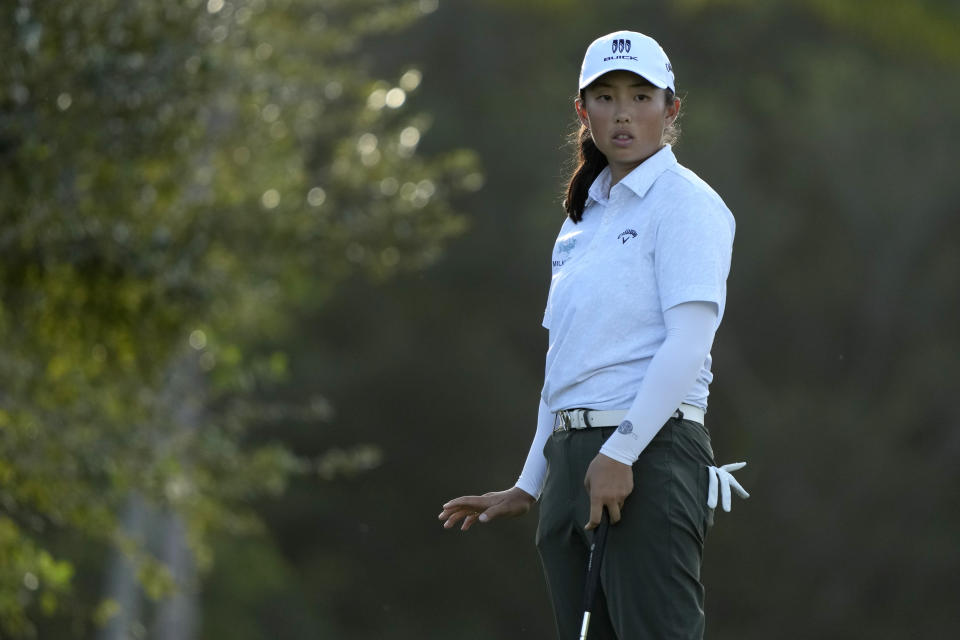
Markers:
600,541
594,562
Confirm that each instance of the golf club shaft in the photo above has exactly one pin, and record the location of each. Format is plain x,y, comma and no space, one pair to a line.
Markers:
593,571
585,626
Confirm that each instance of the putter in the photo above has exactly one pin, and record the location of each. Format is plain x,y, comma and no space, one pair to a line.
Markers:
593,571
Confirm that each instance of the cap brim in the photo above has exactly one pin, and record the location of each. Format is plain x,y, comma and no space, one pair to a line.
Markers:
660,84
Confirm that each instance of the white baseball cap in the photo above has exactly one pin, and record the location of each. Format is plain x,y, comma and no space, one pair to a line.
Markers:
627,51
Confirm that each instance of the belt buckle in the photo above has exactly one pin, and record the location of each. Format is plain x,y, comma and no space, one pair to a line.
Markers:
571,420
561,422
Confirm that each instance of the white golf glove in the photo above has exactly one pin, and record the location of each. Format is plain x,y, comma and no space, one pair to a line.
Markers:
724,477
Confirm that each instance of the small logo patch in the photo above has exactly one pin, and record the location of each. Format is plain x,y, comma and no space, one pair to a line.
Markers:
625,427
626,235
619,45
564,247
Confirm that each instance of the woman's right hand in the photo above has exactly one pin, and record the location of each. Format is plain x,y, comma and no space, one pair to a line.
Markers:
485,508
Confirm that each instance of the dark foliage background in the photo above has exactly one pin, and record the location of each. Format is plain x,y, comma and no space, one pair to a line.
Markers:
830,129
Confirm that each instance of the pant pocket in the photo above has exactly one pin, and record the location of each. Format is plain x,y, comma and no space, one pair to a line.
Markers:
704,489
694,441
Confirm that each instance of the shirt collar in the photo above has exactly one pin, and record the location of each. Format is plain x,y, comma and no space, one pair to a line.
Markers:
639,180
600,189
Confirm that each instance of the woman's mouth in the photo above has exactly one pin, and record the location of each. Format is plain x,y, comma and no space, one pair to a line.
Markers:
622,139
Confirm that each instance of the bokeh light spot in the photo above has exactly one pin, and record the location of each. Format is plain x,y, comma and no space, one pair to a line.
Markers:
198,339
367,143
389,186
333,90
263,51
377,99
270,198
409,137
426,188
370,159
316,196
472,181
410,80
270,112
407,190
30,581
395,97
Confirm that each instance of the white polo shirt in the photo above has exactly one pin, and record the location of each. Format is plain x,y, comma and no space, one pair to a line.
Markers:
659,237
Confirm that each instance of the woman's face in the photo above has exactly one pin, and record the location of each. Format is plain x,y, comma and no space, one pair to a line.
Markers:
626,116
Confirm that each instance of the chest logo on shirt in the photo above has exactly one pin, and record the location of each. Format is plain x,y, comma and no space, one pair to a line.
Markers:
564,247
626,235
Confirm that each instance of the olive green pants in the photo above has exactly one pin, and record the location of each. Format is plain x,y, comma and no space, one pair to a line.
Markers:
650,576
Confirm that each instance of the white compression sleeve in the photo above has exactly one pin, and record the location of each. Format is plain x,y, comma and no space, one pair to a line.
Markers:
535,468
673,370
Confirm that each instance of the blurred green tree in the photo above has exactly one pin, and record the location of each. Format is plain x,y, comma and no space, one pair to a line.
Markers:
174,178
830,143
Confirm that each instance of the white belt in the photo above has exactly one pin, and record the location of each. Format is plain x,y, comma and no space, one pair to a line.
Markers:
570,419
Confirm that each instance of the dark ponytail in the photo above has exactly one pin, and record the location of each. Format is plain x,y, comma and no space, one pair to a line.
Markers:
588,162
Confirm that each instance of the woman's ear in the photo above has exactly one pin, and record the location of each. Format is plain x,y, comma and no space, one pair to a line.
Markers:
672,111
581,112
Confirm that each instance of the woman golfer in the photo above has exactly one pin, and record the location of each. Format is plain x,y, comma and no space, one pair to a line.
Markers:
638,291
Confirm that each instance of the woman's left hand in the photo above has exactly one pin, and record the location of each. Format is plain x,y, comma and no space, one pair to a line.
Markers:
609,483
486,508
